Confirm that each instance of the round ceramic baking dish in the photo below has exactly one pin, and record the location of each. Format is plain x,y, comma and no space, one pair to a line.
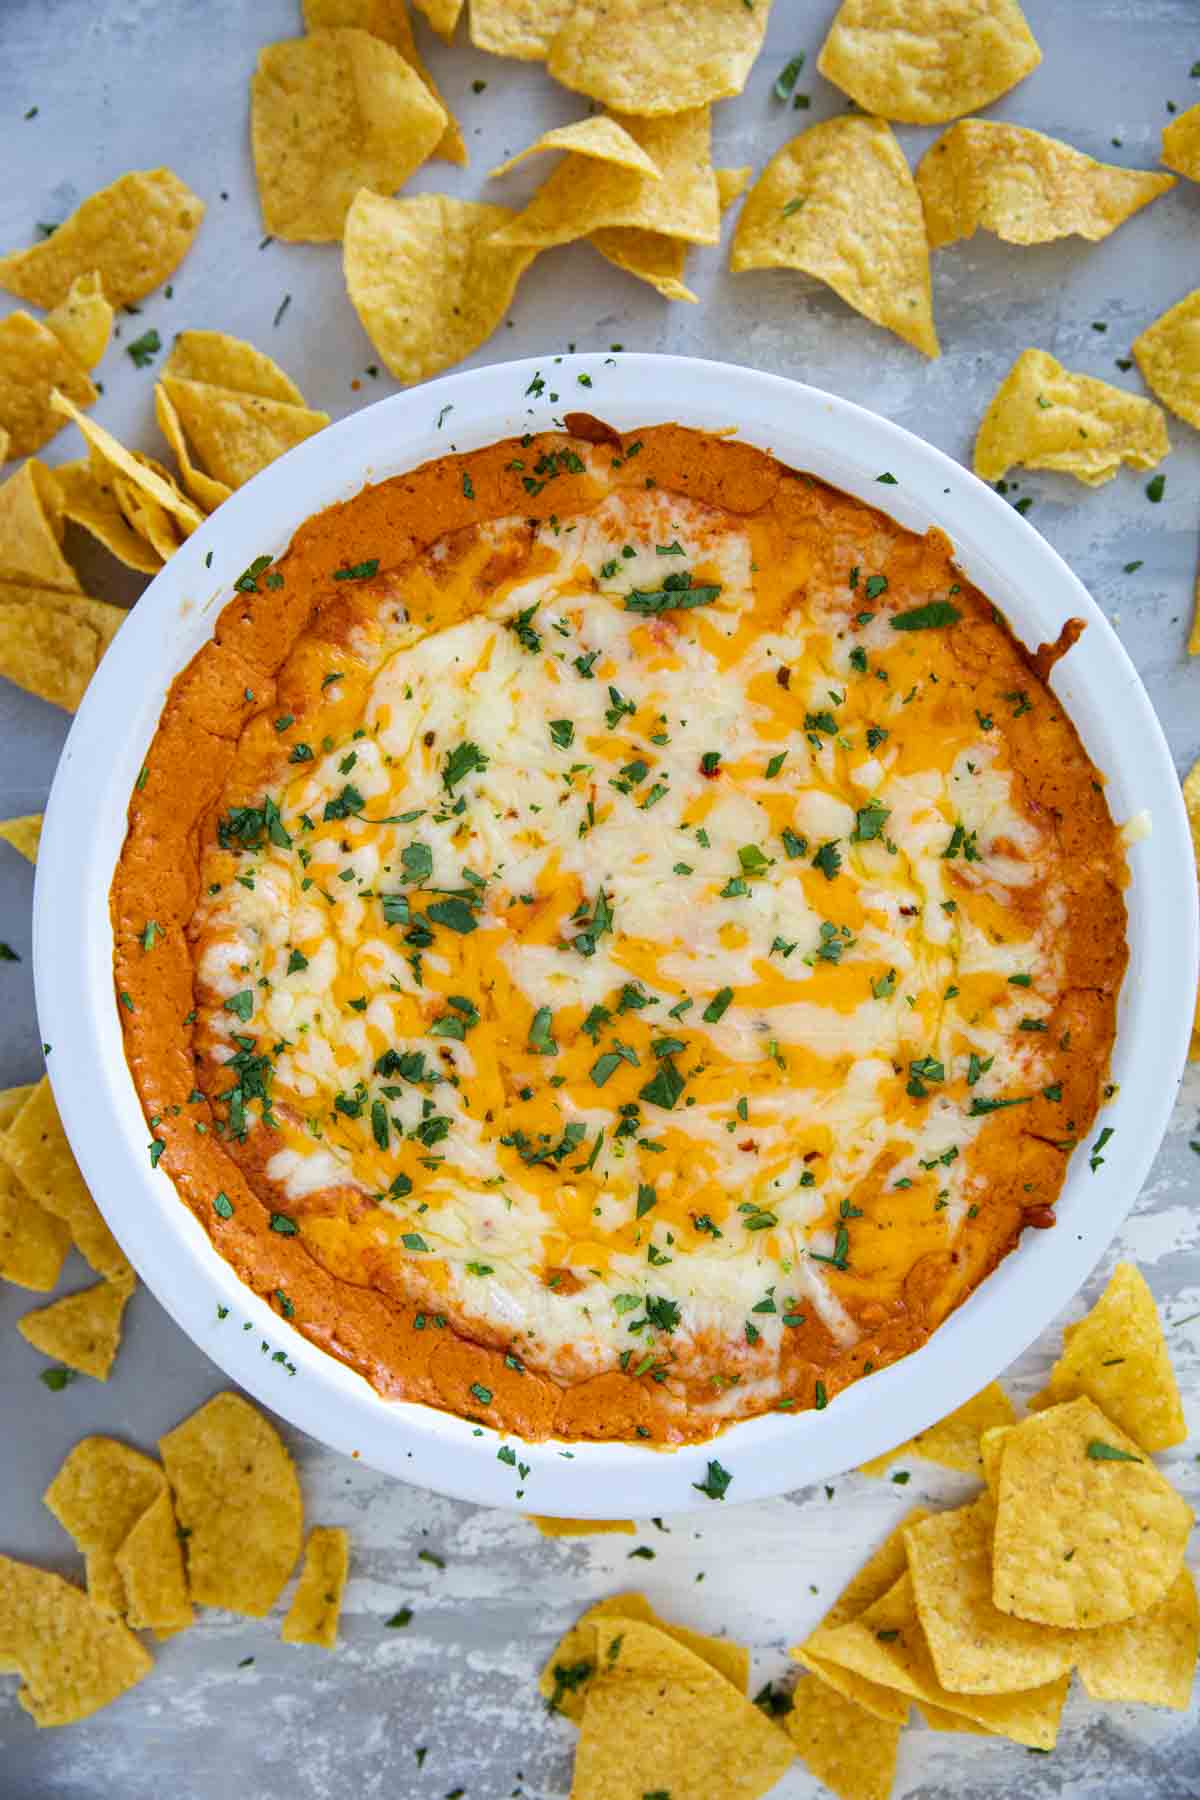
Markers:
85,825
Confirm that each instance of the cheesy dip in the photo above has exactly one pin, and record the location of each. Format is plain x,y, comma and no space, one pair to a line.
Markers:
615,936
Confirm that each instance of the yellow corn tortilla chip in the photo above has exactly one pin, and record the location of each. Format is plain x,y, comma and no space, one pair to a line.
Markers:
601,137
732,184
98,1496
584,194
953,1441
850,1751
31,531
880,1572
659,1720
1151,1658
4,445
312,1618
1044,417
132,234
35,1148
657,56
442,15
426,279
1117,1356
237,1497
152,522
83,1330
388,19
13,1099
33,1243
1024,186
141,470
839,203
24,834
886,1644
1087,1530
1168,354
566,1528
88,501
72,1658
1181,144
937,1720
204,490
991,1449
235,435
82,322
566,1678
229,362
976,1649
329,114
33,364
149,1562
922,62
658,259
50,643
524,29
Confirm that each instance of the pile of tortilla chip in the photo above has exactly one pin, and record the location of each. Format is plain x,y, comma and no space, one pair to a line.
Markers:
1071,1558
1043,416
219,1522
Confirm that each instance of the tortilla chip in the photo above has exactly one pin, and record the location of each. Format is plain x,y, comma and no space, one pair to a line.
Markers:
51,644
149,1562
82,322
524,29
732,184
33,363
229,362
1151,1658
36,1150
1025,187
976,1649
238,1498
87,501
1044,417
600,137
235,435
1181,144
1117,1356
23,834
659,1720
72,1658
656,56
132,234
648,255
922,62
565,1528
879,1573
426,278
886,1644
584,194
312,1618
937,1720
4,445
442,15
98,1496
1168,354
145,474
388,19
953,1441
839,203
33,1243
204,490
31,531
1087,1530
566,1678
83,1330
851,1751
329,114
991,1449
13,1099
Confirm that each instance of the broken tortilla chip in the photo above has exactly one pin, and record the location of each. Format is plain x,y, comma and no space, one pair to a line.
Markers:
238,1499
329,114
601,137
83,1330
82,322
1168,355
312,1618
149,1562
31,531
33,365
923,62
584,194
839,203
954,1441
51,643
571,1665
35,1148
657,56
660,1720
1117,1356
388,19
658,259
878,1574
229,362
1044,417
1025,187
426,278
72,1658
1150,1658
204,490
234,435
89,502
13,1099
1088,1532
567,1528
1181,144
991,1449
850,1751
98,1496
33,1243
23,834
131,234
524,29
142,471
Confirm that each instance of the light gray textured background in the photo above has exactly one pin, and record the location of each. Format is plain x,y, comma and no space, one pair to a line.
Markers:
122,84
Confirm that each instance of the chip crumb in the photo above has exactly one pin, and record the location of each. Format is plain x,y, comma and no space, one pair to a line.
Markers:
312,1618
